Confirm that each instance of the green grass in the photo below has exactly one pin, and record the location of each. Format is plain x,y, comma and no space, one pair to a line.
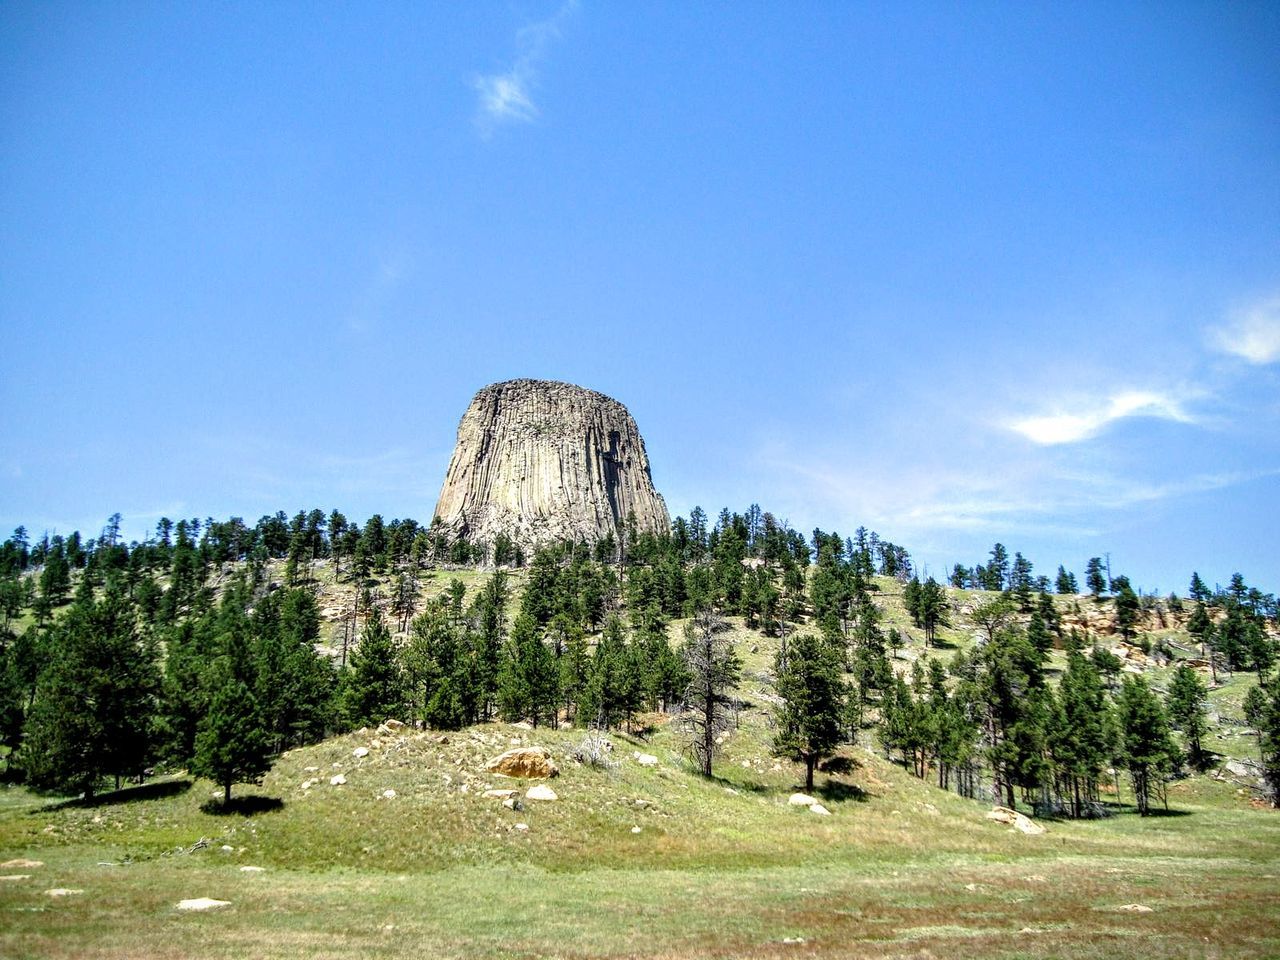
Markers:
719,868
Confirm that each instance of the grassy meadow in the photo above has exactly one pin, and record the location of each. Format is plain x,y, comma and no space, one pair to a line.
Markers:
408,858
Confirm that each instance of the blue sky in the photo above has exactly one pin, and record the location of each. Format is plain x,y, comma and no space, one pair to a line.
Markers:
961,273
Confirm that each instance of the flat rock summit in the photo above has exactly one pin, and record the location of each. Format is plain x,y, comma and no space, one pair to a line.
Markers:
542,461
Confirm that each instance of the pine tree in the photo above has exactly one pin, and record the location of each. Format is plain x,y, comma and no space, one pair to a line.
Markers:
1066,582
94,700
1128,607
375,681
813,702
1186,700
231,746
528,681
1146,748
1095,577
714,670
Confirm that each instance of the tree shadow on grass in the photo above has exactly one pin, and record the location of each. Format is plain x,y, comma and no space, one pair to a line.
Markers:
246,806
130,794
837,791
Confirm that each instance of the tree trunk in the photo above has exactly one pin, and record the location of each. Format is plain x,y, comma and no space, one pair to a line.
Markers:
226,796
809,763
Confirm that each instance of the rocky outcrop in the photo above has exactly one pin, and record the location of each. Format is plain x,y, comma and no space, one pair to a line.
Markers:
540,461
525,762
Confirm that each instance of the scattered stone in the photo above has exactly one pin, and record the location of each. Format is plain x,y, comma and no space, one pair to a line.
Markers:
819,809
513,803
360,752
337,780
498,794
530,763
310,769
202,903
522,725
376,744
793,941
540,792
646,759
62,892
522,827
801,800
971,887
252,869
21,864
227,848
15,876
635,829
642,803
391,724
1014,819
389,794
308,784
1135,908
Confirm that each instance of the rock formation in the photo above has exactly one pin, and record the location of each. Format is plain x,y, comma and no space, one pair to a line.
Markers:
540,461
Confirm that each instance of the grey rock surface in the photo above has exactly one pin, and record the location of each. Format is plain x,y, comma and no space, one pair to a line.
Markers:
542,461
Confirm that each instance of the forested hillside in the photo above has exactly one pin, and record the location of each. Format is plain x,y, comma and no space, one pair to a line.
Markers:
216,646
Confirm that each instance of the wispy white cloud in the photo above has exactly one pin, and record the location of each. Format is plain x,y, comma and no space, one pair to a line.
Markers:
1253,334
1073,426
507,96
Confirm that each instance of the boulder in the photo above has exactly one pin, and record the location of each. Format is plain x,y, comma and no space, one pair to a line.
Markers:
530,763
801,800
202,903
360,752
21,864
646,759
1014,819
819,809
337,780
62,892
540,792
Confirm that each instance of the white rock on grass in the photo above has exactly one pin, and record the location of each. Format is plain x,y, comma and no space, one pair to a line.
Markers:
819,809
202,903
522,827
21,864
801,800
388,794
247,869
646,759
540,792
16,876
360,752
337,780
1135,908
62,892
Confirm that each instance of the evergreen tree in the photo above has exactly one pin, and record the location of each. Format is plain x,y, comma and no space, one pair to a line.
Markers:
1146,748
1263,712
375,681
1186,702
813,702
231,746
94,700
1128,606
714,670
1066,582
1095,577
436,668
528,681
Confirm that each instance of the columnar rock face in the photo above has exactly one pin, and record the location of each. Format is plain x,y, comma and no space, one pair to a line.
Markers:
541,461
